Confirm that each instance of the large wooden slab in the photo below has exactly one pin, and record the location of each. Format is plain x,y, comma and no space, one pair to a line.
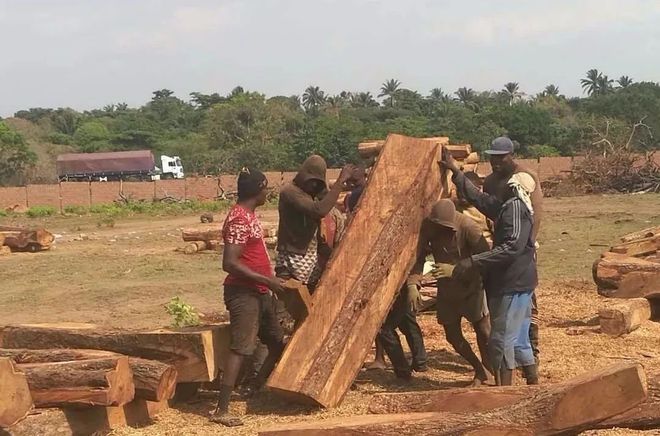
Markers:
563,408
196,353
624,316
363,276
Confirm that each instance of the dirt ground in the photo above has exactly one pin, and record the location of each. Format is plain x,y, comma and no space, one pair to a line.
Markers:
122,277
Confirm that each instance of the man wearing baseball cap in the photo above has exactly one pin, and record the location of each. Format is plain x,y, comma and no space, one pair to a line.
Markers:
501,155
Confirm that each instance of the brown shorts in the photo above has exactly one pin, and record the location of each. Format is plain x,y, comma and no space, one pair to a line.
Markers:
451,309
252,315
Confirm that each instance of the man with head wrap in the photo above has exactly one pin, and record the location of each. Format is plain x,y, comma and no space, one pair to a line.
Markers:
248,291
508,270
501,155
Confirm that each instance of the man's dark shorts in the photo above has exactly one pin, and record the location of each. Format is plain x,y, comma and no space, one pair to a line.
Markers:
252,315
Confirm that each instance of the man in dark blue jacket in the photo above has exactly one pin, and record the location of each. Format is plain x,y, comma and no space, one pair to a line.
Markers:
508,270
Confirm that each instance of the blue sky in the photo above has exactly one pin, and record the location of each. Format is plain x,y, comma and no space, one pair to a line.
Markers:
86,54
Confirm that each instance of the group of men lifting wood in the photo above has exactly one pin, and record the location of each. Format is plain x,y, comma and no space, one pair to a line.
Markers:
490,285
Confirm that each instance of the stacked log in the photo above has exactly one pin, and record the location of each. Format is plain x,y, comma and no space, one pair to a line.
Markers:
629,270
99,379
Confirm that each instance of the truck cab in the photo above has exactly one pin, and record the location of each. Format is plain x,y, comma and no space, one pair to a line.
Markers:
171,167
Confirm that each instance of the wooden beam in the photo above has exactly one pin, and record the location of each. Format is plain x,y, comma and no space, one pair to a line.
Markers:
363,276
195,247
621,276
638,247
89,420
568,407
103,381
15,398
643,416
460,152
197,353
370,149
624,316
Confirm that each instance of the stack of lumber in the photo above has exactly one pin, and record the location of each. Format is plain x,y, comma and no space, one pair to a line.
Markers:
21,239
617,396
629,271
210,238
363,276
101,378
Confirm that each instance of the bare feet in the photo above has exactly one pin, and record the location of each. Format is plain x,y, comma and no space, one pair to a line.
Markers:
376,364
226,419
478,380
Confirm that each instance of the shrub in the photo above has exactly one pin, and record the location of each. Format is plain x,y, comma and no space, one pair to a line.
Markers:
184,315
75,210
41,211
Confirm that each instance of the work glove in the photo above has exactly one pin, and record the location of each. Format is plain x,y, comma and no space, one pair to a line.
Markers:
462,268
414,298
442,271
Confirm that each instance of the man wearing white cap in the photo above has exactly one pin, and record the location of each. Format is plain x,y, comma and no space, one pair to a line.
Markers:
508,270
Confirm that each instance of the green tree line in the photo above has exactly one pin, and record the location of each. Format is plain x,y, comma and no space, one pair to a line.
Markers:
215,133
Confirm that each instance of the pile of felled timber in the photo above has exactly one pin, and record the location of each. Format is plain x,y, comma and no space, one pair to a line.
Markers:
22,239
210,238
622,395
82,379
630,273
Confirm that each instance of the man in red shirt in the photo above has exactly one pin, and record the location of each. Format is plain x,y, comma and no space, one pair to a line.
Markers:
248,291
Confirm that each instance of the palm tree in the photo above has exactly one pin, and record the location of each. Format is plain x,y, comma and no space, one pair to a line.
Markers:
465,95
334,103
512,91
604,84
551,90
590,83
389,90
313,97
363,99
624,81
437,94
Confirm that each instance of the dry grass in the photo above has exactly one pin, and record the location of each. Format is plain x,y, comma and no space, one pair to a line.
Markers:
122,276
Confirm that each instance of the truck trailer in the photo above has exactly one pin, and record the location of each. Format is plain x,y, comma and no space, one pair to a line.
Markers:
117,165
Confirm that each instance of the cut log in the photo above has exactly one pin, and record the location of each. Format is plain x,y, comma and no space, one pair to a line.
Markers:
213,234
154,381
572,406
472,158
624,316
363,275
94,382
196,352
621,276
370,149
460,152
15,398
638,247
89,420
296,299
644,415
642,234
218,246
195,247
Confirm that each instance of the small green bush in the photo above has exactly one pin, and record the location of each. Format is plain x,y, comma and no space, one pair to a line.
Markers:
184,315
3,213
106,221
41,211
75,210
